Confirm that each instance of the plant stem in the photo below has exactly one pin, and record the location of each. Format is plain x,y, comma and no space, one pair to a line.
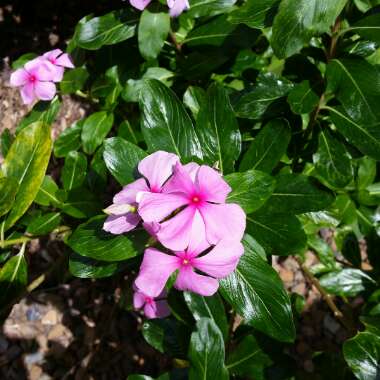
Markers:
327,297
177,45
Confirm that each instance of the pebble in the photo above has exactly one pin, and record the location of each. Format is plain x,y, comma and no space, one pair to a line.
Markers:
50,318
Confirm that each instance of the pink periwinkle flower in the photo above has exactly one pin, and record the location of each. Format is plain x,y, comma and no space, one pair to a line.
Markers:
157,267
154,307
194,193
60,61
140,4
35,80
176,7
156,169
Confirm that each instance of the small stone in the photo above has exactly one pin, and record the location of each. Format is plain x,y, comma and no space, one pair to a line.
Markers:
300,289
50,318
286,275
34,358
33,314
35,373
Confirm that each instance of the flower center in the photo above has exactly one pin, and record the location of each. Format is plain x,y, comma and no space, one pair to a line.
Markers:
148,300
32,78
52,60
185,262
196,199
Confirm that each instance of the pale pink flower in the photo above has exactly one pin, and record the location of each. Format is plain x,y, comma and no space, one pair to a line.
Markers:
154,307
195,193
156,169
140,4
35,80
60,61
176,7
157,267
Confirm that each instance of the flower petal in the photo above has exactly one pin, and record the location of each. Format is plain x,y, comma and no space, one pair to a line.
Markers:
65,61
180,182
156,309
192,168
52,54
129,192
155,270
154,207
211,185
152,228
187,279
27,93
19,78
197,241
225,220
157,168
45,90
222,259
177,7
57,73
140,4
138,299
175,233
118,224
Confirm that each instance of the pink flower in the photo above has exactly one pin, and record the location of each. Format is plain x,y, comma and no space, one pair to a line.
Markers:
196,193
156,168
140,4
59,60
153,308
157,267
35,80
176,7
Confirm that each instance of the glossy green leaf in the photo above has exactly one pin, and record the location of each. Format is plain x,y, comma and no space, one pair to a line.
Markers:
26,163
347,282
152,33
362,354
165,123
200,8
250,189
74,170
297,194
366,172
13,278
47,193
79,203
278,234
112,28
363,135
206,352
302,99
68,140
193,99
255,13
269,87
44,224
218,130
6,139
323,250
85,267
332,161
90,240
95,128
368,28
297,21
248,359
8,190
268,147
121,158
256,293
208,307
74,80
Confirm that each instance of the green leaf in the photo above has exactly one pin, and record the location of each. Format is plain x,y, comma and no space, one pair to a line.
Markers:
44,224
26,163
218,130
368,28
297,21
324,251
95,128
79,203
153,31
302,99
256,293
254,13
20,61
8,190
248,359
47,194
346,282
366,172
278,234
363,135
352,81
208,307
121,158
269,87
84,267
332,161
68,140
13,278
90,240
200,8
362,354
109,29
165,123
6,139
193,99
268,147
250,189
74,170
73,80
206,352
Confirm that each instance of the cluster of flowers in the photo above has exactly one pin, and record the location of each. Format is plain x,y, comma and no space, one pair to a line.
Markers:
38,77
184,207
176,7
